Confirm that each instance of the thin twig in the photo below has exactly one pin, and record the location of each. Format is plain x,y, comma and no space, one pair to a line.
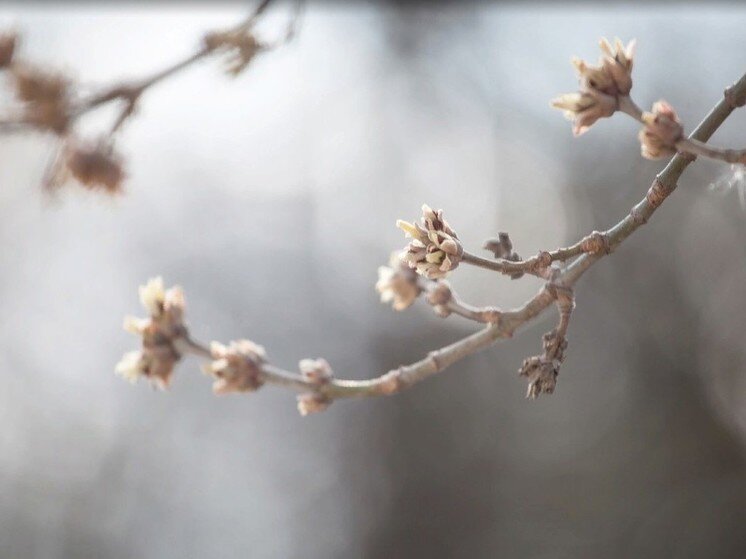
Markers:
696,147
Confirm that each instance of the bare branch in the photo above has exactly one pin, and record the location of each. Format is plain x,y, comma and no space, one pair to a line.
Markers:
434,252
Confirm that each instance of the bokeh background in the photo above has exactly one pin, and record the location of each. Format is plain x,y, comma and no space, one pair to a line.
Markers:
271,199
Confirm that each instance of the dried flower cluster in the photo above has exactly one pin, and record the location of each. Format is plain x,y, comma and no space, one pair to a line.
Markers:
435,249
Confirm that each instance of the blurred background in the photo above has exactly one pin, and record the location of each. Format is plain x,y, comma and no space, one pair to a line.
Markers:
272,198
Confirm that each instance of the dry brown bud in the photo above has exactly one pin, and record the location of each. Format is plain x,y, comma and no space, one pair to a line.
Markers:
46,98
661,131
241,46
584,108
8,42
96,166
435,249
312,402
317,371
554,346
159,333
541,374
397,284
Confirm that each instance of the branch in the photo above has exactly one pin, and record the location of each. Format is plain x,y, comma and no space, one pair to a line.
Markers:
434,251
537,265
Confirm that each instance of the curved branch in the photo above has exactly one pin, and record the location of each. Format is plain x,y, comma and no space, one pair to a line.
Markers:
558,289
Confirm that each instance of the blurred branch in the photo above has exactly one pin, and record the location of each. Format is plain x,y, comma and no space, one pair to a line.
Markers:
48,102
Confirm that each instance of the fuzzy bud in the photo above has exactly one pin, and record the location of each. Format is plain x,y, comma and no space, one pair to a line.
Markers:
236,367
312,402
317,371
440,293
617,60
397,284
584,108
661,131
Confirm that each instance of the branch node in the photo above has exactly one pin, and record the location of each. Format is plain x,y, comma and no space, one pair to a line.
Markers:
734,101
657,193
595,243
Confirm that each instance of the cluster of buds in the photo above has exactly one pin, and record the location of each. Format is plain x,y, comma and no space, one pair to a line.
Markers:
502,247
397,284
240,45
317,372
600,86
159,333
236,367
96,166
542,370
661,131
435,249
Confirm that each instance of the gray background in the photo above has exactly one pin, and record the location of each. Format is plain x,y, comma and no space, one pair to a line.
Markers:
272,199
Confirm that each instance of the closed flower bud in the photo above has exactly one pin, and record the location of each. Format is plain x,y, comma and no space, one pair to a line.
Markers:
236,367
440,293
435,249
661,132
397,284
585,108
